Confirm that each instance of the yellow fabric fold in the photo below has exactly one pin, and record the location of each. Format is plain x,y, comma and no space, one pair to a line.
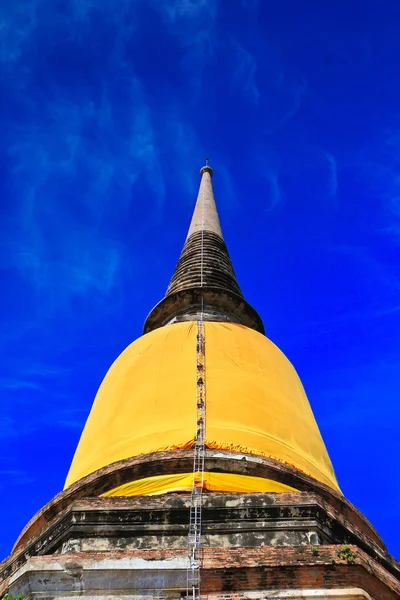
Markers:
255,402
218,482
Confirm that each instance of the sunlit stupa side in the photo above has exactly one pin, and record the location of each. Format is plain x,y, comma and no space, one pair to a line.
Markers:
201,470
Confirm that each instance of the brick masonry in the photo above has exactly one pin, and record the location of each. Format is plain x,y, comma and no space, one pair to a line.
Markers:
251,542
224,572
181,461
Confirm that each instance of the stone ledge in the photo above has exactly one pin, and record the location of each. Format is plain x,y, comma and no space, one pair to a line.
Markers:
231,520
181,461
231,570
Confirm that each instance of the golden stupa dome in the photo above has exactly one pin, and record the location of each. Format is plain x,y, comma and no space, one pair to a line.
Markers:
252,401
255,403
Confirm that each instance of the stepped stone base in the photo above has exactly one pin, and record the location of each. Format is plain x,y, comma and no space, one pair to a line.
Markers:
226,575
307,544
254,546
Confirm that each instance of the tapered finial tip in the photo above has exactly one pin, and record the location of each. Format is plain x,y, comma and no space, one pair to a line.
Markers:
206,169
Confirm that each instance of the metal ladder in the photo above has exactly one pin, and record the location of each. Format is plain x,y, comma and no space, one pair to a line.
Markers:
196,498
194,536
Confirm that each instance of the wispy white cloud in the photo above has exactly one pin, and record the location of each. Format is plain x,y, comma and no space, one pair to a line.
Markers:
245,72
378,165
188,151
348,394
267,169
286,94
250,4
19,384
69,417
75,160
368,265
17,22
200,48
175,10
14,477
193,24
333,175
143,148
45,371
226,191
11,428
75,424
274,193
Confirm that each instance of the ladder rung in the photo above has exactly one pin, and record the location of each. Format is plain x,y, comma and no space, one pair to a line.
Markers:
194,532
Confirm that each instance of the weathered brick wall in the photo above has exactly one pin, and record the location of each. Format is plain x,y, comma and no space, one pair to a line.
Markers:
224,571
181,461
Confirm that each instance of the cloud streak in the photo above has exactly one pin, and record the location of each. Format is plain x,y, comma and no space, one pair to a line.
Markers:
19,384
333,175
175,10
73,160
14,477
245,69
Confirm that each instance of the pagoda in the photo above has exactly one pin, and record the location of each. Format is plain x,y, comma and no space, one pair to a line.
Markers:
201,471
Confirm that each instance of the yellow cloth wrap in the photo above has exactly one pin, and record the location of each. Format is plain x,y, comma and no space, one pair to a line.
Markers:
217,482
255,402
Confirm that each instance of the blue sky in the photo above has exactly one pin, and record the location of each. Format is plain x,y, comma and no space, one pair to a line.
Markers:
106,116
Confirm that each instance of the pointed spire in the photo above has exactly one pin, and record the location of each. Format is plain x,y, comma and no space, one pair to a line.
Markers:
205,259
204,281
205,214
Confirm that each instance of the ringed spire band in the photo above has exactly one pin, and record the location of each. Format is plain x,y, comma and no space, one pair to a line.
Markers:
204,280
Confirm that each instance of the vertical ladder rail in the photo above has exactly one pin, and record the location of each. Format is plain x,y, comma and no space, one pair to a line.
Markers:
196,498
195,516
